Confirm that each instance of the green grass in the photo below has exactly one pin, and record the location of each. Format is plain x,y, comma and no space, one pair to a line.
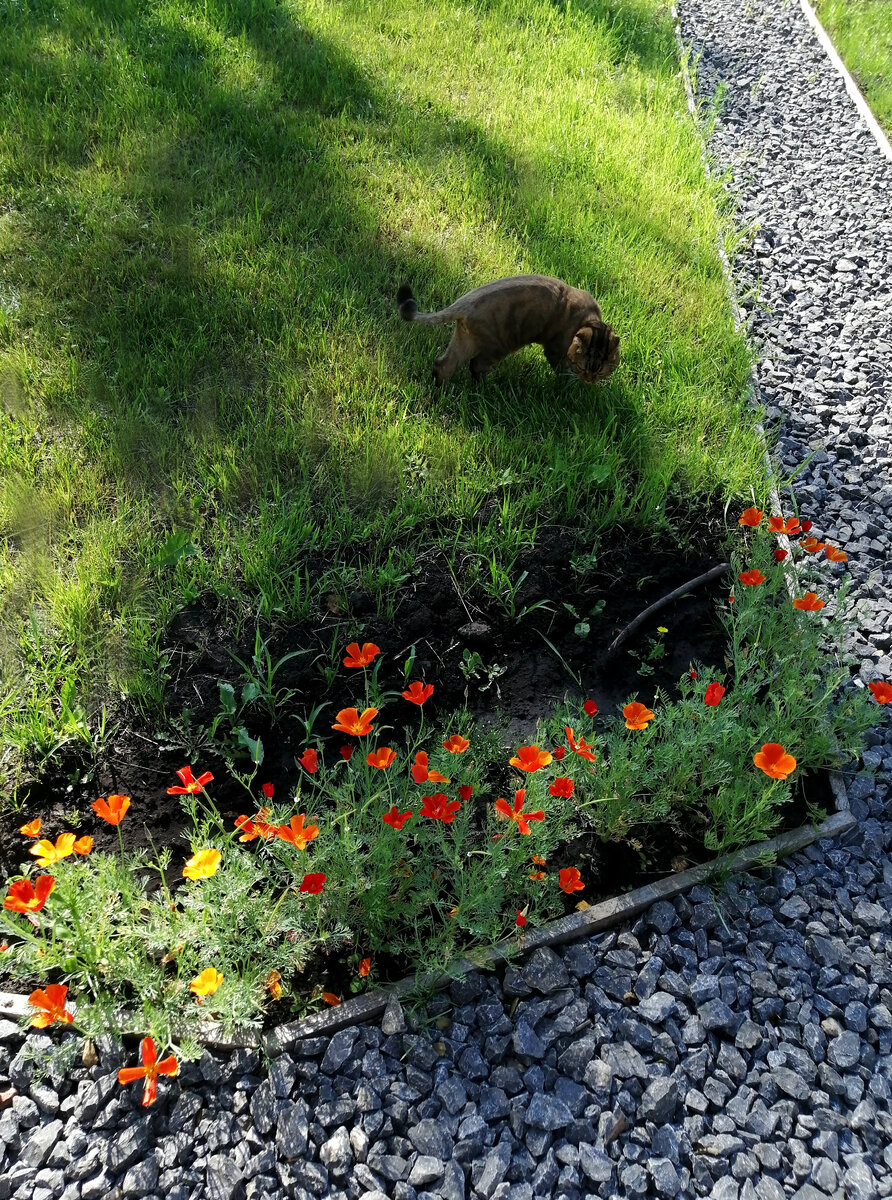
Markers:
861,30
205,213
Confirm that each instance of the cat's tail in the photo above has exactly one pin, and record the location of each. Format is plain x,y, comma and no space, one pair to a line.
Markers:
408,309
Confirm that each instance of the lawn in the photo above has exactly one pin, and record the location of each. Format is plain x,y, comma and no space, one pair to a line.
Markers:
205,213
861,30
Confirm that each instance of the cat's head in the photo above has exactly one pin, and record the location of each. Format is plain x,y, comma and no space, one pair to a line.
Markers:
594,352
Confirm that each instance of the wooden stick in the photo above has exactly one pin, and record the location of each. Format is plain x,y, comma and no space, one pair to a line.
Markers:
706,577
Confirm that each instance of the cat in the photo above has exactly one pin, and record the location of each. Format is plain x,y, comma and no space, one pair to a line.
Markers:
498,318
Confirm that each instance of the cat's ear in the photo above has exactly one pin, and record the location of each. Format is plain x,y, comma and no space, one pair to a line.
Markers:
577,354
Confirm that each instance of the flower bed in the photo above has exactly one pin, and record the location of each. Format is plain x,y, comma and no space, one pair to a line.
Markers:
407,848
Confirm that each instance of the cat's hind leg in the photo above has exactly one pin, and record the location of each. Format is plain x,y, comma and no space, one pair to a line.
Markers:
460,350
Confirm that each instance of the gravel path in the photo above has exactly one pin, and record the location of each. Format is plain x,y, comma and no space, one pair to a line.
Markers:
742,1053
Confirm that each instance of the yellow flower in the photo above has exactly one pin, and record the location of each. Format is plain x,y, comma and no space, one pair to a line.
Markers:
206,983
203,864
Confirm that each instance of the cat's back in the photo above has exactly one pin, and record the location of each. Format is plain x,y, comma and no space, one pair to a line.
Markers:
544,288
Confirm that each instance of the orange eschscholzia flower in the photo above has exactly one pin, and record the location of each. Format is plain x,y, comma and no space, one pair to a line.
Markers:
274,984
750,517
296,833
420,772
256,827
562,787
189,784
45,853
569,880
791,526
530,758
881,691
202,864
516,814
206,983
313,883
833,555
751,577
365,965
83,845
32,829
812,545
582,747
113,809
808,603
774,761
351,721
309,760
52,1002
538,859
382,758
456,744
439,808
637,715
395,819
418,692
27,897
150,1070
536,876
361,658
330,998
714,693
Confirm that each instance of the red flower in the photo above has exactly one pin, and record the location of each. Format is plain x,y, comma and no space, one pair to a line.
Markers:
456,744
296,833
806,526
309,760
589,708
530,758
774,761
779,555
312,884
396,820
558,752
833,555
812,545
582,748
419,692
465,790
536,876
882,691
809,602
381,758
751,577
365,965
538,860
267,789
569,880
191,785
25,897
790,526
150,1070
346,753
420,772
350,721
693,674
714,693
750,516
330,998
521,919
516,813
637,715
562,787
256,827
438,808
360,658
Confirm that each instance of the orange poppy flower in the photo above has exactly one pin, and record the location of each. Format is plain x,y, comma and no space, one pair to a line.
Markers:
808,603
296,833
206,983
360,658
350,721
779,554
381,758
516,814
774,761
420,772
330,998
439,808
882,691
365,965
637,715
790,526
190,784
274,983
25,897
520,920
751,577
418,692
395,819
714,693
202,864
32,829
52,1001
833,555
112,810
256,828
538,859
537,875
313,883
530,758
582,747
456,744
562,787
45,853
812,545
83,845
309,760
750,517
150,1070
569,880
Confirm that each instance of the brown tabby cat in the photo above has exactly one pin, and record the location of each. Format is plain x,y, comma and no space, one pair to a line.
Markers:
498,318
